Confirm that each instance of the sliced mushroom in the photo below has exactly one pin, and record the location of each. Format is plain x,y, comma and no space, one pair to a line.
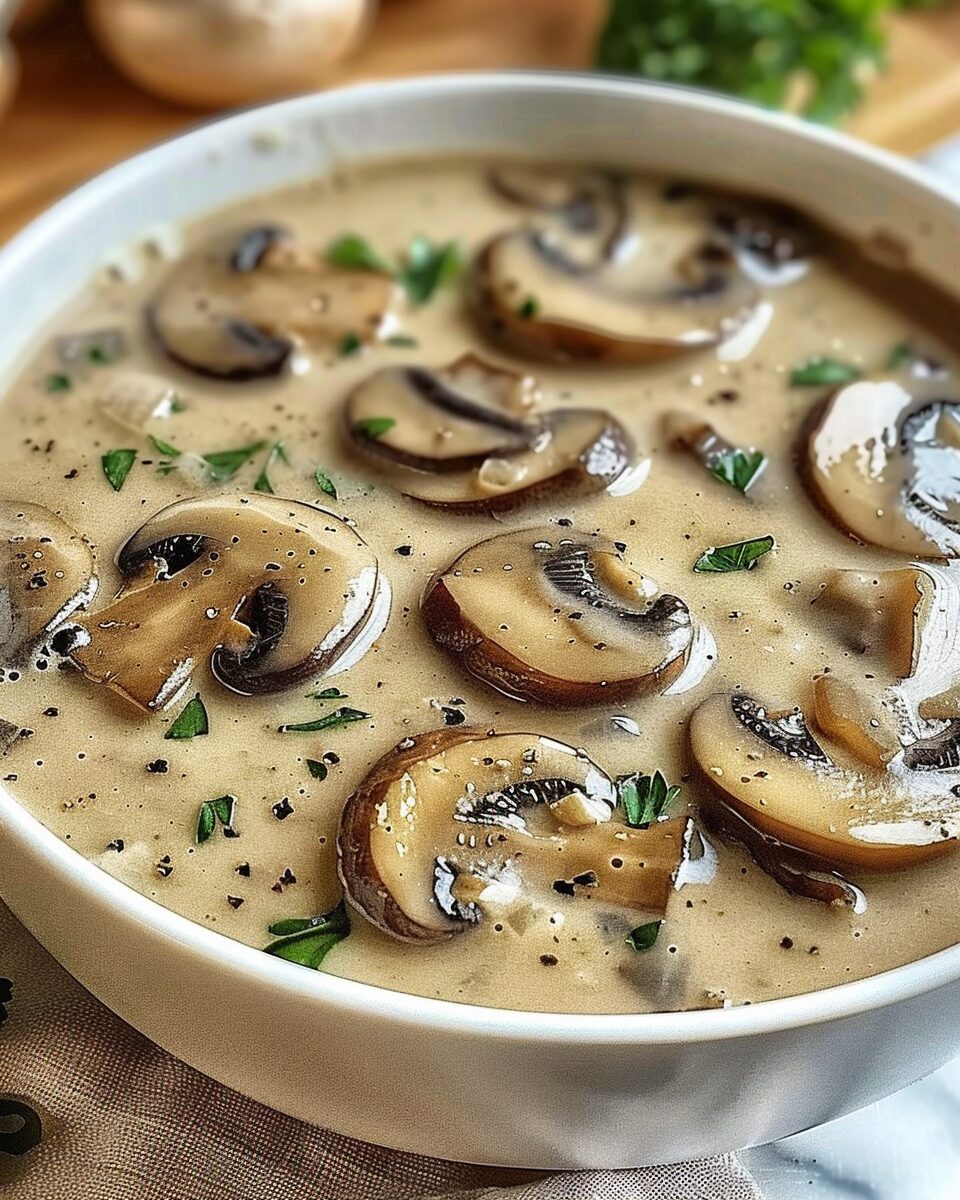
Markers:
886,468
874,614
236,309
563,621
679,289
467,438
772,245
270,592
451,825
47,573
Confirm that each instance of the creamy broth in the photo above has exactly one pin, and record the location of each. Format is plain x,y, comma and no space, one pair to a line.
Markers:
99,772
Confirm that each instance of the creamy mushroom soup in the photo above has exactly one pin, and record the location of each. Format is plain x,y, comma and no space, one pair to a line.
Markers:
533,588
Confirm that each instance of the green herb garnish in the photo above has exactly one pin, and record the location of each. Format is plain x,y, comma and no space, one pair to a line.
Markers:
374,427
402,340
645,798
350,345
308,940
738,468
335,720
356,254
428,266
823,372
899,355
222,810
98,356
739,556
317,769
529,308
116,466
224,464
758,49
191,722
644,936
262,481
330,693
177,405
58,382
325,483
164,448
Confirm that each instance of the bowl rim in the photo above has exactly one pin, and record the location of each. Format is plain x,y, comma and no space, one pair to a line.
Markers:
371,1000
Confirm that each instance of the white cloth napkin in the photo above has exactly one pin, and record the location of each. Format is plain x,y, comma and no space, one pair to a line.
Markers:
123,1120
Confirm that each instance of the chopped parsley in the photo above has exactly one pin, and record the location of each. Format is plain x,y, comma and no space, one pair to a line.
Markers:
738,556
823,372
403,340
57,382
738,468
644,937
374,427
262,481
900,355
164,448
223,810
317,769
177,406
350,345
529,308
116,466
645,798
335,720
428,266
325,483
97,355
224,464
356,254
330,693
308,940
191,722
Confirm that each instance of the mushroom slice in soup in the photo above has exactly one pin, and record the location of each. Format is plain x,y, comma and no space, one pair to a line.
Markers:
46,575
269,592
235,310
885,466
454,824
560,620
467,438
671,290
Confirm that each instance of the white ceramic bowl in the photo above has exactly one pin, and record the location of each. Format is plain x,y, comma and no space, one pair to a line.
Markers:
445,1079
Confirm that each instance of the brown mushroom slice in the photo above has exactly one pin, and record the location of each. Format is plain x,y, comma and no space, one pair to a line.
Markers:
588,204
269,592
887,469
772,244
455,823
447,420
559,620
875,613
235,310
770,769
678,292
47,573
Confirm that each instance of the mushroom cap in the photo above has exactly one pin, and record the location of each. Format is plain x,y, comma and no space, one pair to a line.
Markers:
467,439
235,309
47,573
270,591
884,464
771,770
457,821
560,620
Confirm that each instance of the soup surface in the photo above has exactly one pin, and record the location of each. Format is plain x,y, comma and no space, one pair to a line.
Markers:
612,632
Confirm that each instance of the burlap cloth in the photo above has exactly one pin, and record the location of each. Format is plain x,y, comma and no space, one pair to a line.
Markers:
125,1121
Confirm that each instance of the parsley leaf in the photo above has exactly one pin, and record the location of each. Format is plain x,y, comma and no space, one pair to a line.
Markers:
899,355
738,556
164,448
644,937
645,798
350,345
738,468
223,809
191,722
529,308
177,405
428,266
355,253
116,466
823,372
317,769
262,481
335,720
374,427
224,464
325,483
97,355
403,340
308,940
330,693
58,382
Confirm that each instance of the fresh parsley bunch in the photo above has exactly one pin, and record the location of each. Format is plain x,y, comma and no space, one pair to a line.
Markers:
764,50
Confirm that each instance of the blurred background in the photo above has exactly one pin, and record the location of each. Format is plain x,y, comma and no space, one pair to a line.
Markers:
84,83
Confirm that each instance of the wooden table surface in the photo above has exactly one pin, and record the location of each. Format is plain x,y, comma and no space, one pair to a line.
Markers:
73,114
